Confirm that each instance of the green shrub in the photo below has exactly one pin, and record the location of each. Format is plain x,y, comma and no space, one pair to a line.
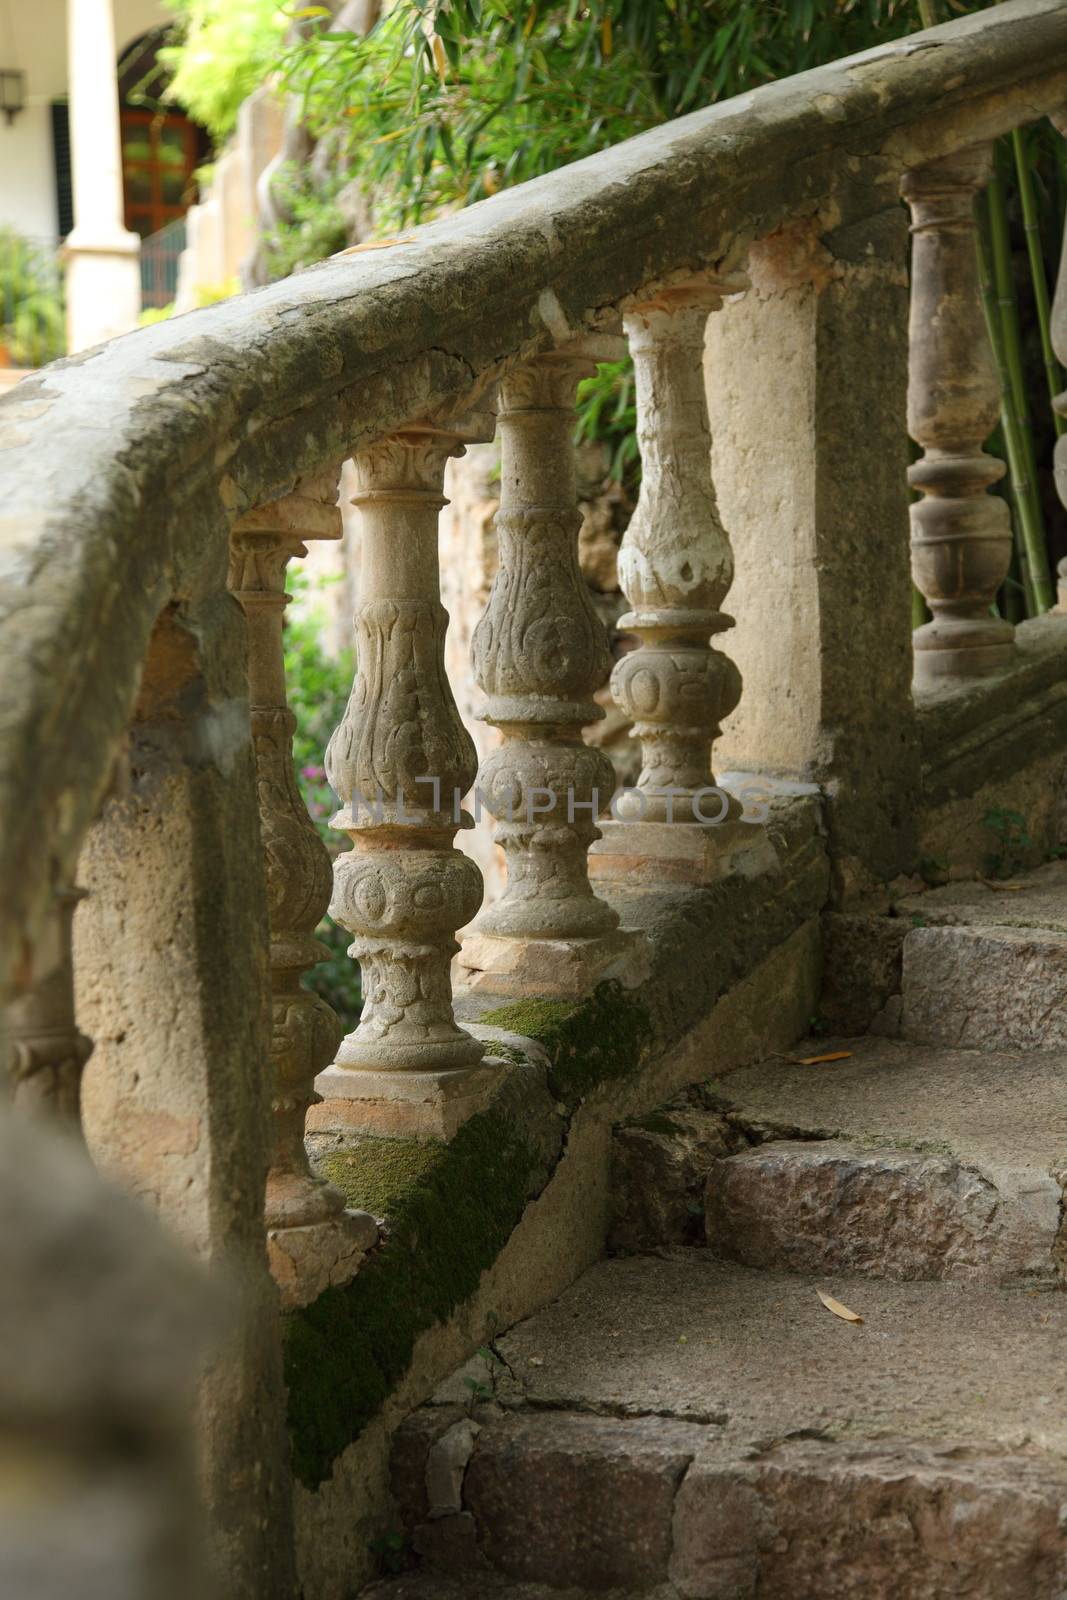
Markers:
317,685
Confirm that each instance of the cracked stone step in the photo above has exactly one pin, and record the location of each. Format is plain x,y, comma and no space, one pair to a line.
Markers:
920,1453
899,1160
985,987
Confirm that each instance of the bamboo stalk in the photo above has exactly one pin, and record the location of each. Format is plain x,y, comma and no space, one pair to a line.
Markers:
1016,416
1023,523
1032,229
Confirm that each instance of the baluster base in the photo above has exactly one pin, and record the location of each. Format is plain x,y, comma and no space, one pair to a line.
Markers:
950,648
306,1261
550,969
679,852
418,1105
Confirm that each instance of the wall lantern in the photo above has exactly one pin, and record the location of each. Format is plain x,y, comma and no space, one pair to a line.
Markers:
12,93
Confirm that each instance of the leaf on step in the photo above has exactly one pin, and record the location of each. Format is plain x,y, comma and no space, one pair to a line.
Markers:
377,244
1003,888
815,1061
837,1308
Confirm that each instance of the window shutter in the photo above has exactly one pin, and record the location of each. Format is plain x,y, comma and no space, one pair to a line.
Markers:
61,154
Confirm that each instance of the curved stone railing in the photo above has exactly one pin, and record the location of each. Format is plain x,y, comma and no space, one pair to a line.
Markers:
146,483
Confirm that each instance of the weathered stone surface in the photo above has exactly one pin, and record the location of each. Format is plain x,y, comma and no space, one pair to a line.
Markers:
987,1109
861,968
1026,900
659,1167
822,636
581,1501
890,1519
828,1206
985,989
446,1466
103,1322
409,1453
305,1261
970,1367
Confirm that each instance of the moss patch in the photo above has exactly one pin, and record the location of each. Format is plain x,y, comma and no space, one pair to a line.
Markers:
587,1042
451,1209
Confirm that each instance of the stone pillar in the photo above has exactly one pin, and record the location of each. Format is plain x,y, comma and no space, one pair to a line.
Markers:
312,1241
806,381
171,976
102,257
47,1052
961,536
399,762
539,653
675,568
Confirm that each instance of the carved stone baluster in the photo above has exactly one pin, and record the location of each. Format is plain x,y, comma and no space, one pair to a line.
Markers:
47,1052
539,653
312,1240
399,761
675,568
961,536
1059,344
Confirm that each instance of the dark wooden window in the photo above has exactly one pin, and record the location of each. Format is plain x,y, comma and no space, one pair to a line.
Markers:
159,156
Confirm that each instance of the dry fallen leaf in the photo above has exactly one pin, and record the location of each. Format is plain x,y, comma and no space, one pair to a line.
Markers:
837,1308
814,1061
1003,888
377,244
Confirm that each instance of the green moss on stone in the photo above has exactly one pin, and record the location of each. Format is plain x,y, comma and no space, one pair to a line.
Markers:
377,1175
588,1042
451,1208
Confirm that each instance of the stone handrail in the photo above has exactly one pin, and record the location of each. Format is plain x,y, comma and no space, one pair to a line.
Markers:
147,484
170,432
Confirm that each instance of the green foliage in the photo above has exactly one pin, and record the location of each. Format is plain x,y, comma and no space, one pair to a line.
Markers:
392,1552
224,50
316,230
32,323
447,101
318,686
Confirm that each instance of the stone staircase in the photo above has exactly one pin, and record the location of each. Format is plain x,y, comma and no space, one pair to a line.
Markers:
691,1422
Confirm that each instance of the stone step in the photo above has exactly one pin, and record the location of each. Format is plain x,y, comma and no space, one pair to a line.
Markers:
895,1160
985,988
1033,900
682,1427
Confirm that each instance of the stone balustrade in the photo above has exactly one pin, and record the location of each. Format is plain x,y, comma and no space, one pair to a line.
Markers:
131,480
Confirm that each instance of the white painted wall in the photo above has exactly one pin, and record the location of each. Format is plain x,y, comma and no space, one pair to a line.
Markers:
33,38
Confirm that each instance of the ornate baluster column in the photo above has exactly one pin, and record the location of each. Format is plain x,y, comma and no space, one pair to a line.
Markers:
961,536
47,1051
400,762
1059,344
312,1240
539,653
675,568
